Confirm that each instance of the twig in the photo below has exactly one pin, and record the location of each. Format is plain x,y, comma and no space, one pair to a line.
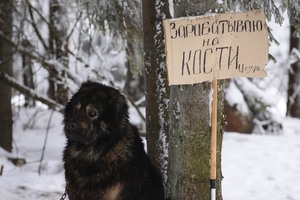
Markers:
1,170
72,30
130,99
45,143
36,29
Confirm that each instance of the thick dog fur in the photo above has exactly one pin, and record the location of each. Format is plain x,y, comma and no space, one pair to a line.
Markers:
104,157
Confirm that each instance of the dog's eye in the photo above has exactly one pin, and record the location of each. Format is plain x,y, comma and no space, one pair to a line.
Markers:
92,112
76,107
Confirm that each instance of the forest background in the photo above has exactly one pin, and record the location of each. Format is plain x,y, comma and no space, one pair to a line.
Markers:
48,48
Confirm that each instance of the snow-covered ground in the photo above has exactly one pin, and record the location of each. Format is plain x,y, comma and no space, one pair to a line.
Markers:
29,133
255,167
262,167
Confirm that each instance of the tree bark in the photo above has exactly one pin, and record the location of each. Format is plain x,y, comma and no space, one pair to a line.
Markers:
6,53
190,131
157,94
293,103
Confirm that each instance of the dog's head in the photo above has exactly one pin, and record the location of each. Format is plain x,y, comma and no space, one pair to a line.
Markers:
96,112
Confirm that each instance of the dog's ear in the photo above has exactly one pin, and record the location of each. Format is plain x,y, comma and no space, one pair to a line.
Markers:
68,109
118,100
120,103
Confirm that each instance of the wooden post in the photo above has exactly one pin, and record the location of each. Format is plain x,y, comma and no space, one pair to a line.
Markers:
213,153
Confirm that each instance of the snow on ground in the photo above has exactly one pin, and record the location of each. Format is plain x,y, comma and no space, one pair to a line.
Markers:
255,167
262,167
29,133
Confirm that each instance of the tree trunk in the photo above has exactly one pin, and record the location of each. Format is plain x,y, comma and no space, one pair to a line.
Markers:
27,74
293,103
6,53
187,128
156,81
57,42
190,130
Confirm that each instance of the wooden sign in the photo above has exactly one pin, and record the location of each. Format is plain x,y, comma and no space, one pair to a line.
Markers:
221,46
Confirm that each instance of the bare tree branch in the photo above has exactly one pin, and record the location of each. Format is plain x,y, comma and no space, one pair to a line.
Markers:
51,66
30,7
39,14
130,99
30,92
86,65
74,26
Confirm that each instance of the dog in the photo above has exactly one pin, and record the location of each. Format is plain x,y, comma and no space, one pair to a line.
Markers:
104,157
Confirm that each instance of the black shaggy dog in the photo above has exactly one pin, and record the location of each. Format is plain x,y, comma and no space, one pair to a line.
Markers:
104,157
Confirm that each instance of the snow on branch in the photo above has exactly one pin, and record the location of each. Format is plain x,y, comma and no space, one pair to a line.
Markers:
294,56
50,65
256,98
30,92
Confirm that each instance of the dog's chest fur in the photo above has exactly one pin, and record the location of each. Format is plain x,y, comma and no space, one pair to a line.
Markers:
113,193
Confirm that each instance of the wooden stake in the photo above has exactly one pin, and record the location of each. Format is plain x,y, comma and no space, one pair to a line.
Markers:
213,153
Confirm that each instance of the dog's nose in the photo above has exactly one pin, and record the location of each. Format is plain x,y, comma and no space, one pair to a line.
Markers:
71,126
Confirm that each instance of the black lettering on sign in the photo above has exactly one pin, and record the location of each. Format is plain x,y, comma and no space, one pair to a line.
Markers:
227,58
185,63
235,56
197,62
173,30
221,55
248,69
204,61
215,28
